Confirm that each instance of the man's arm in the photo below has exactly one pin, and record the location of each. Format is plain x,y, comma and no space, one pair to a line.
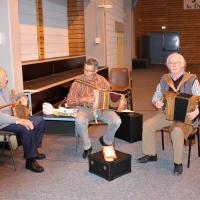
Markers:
7,119
157,97
195,91
73,97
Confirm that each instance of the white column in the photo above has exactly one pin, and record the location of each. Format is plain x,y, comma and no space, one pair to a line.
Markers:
128,33
94,29
10,57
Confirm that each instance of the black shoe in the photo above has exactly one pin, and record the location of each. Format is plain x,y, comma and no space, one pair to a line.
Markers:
102,142
178,169
40,156
33,165
147,158
87,152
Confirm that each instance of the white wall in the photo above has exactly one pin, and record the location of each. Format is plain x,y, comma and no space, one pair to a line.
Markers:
28,30
10,57
112,15
94,27
100,22
56,43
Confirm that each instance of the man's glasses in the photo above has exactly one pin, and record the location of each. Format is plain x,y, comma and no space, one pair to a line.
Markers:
91,71
175,63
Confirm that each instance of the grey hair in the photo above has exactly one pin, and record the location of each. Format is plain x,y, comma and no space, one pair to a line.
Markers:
176,54
93,62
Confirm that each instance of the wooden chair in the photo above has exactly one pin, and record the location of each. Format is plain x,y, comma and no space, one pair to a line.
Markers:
190,138
120,81
6,139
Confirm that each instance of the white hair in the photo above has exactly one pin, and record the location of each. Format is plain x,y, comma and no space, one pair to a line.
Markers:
176,54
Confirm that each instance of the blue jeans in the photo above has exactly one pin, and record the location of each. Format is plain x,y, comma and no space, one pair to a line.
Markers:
31,139
86,115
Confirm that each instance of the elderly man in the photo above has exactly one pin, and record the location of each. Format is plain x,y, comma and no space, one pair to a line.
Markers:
81,94
30,131
177,81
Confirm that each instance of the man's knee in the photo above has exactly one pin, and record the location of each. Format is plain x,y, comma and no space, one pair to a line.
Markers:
116,121
37,120
80,121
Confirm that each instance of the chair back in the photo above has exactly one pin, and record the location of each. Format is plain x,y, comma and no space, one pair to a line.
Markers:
119,79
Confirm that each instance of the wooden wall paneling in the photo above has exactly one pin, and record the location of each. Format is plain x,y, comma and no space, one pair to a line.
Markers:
151,15
76,27
40,29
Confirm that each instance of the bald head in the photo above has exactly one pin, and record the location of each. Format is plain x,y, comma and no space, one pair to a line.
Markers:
3,78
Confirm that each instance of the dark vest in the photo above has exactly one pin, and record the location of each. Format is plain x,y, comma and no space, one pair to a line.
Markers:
185,87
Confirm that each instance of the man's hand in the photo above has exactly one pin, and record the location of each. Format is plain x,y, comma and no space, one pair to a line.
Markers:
89,99
159,104
24,100
25,122
193,114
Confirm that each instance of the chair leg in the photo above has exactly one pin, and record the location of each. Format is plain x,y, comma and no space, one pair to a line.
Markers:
162,135
131,100
4,144
189,152
198,142
11,152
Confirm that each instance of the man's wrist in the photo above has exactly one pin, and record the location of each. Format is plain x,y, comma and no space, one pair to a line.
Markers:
17,121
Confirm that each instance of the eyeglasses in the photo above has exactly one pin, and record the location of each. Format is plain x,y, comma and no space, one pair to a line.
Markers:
175,63
91,71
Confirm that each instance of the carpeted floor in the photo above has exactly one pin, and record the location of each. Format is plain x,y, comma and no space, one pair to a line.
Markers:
66,173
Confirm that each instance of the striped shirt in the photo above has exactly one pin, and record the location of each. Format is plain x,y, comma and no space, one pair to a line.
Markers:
79,90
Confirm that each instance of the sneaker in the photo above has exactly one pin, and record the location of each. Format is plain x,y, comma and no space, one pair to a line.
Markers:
178,169
147,158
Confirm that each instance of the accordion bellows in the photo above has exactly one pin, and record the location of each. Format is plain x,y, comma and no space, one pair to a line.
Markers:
178,105
21,111
108,100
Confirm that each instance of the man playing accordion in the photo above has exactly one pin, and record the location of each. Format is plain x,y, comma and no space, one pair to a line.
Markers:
30,131
177,80
82,93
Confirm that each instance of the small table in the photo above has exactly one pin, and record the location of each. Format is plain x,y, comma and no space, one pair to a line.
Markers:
59,124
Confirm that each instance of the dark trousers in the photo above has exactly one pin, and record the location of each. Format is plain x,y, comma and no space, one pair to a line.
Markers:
31,139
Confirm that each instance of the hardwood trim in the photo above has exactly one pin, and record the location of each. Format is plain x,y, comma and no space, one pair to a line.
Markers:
40,29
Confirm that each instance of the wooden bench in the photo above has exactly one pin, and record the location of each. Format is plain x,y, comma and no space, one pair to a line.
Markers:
50,80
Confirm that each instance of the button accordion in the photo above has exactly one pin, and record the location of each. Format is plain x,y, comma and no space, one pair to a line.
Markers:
104,99
178,105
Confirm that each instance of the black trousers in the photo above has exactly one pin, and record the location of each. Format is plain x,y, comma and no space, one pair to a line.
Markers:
30,139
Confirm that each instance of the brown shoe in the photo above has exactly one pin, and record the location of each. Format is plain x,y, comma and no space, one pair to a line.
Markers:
186,142
34,166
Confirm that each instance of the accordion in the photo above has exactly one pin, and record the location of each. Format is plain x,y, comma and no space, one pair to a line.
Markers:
108,100
20,110
104,99
178,105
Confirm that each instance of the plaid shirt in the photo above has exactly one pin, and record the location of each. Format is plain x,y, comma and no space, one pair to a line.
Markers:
79,90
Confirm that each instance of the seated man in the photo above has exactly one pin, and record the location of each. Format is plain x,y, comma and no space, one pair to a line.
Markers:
84,94
30,131
180,81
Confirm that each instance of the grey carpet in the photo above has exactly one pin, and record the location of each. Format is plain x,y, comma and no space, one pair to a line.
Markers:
66,173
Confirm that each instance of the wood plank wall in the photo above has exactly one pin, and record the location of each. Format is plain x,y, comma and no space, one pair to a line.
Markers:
151,15
76,27
40,29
